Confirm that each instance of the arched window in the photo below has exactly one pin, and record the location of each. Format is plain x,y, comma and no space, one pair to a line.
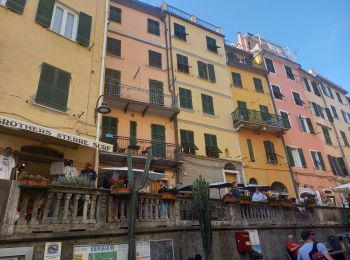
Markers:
253,181
230,167
278,187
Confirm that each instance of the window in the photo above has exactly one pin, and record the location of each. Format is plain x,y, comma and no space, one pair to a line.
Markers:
187,142
326,135
289,73
265,115
296,157
64,22
153,27
207,104
315,88
318,161
270,152
345,139
258,85
53,87
211,146
338,166
345,116
297,99
250,149
155,59
112,82
334,111
327,91
156,92
133,133
211,45
306,84
114,47
115,14
182,64
269,65
109,129
329,115
14,5
237,81
306,125
277,92
285,118
318,110
185,98
339,97
206,71
158,141
180,32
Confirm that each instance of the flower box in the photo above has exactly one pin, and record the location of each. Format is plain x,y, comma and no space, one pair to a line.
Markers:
286,204
168,196
245,202
120,191
275,203
230,200
34,182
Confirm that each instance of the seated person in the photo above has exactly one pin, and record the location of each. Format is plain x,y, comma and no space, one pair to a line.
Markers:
258,196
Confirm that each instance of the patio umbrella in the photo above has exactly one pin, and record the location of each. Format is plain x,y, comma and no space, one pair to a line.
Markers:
345,188
183,187
219,185
116,171
253,187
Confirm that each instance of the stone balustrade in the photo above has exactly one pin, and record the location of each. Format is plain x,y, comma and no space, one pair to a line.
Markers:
62,208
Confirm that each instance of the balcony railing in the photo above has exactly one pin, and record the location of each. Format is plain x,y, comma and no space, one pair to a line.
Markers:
245,62
256,119
117,90
142,147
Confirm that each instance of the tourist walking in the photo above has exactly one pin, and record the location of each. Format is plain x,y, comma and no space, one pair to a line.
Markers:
311,249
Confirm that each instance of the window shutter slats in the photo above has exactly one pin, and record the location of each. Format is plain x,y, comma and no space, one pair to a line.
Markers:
321,161
16,5
84,29
315,108
302,157
211,72
329,115
342,166
44,12
46,84
60,97
250,149
309,124
290,156
201,70
258,85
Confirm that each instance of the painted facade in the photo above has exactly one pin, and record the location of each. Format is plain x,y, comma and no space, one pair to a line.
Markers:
200,77
50,74
137,88
304,148
257,124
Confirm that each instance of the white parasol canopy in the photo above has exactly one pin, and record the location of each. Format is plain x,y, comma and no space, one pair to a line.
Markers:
345,188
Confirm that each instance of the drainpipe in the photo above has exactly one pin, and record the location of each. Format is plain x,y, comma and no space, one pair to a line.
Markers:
283,142
102,74
171,80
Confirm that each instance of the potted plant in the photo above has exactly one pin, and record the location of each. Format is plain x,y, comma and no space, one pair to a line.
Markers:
75,181
245,200
229,198
38,180
119,186
274,202
168,193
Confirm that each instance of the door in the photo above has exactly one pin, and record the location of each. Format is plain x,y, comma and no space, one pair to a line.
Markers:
109,129
243,111
264,111
156,92
158,141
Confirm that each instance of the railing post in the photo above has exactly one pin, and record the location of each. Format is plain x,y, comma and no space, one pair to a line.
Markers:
67,198
110,209
85,209
92,217
76,199
56,211
47,208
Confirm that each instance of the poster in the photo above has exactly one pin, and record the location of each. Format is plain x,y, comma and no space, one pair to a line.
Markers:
255,242
145,250
52,251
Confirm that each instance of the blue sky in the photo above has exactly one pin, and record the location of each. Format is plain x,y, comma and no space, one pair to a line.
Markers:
317,30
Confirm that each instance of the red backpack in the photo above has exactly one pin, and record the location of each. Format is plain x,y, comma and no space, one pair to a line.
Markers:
315,255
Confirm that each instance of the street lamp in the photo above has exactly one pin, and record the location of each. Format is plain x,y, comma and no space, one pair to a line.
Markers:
103,108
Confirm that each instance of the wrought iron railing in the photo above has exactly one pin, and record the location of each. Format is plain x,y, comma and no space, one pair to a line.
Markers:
178,12
248,62
141,147
206,24
115,89
258,117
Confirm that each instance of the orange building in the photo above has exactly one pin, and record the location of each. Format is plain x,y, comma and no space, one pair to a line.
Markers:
138,91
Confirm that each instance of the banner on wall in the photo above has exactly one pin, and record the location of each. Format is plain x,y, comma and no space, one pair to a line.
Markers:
52,251
145,250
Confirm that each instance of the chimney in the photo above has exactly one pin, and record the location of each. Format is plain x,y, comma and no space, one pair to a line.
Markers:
241,42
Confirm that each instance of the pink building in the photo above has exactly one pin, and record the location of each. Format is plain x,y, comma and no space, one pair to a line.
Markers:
304,148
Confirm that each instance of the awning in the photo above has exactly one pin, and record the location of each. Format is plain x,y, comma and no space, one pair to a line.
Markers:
14,123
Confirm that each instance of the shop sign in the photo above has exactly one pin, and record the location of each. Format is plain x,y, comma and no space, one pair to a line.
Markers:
14,123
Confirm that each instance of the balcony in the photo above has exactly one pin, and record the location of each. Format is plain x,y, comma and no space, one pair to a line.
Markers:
246,63
139,100
259,121
165,155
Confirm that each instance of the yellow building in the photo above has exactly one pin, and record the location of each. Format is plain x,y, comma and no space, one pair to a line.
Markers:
259,128
199,73
50,73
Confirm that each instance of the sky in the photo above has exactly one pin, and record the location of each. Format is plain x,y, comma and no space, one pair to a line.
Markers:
318,31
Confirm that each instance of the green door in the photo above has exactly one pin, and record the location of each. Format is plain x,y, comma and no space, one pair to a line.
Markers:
264,111
158,141
243,111
109,129
156,92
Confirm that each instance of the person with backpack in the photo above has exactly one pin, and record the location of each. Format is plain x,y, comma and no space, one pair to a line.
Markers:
311,250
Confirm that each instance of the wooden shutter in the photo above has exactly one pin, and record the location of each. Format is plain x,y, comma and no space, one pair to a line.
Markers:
285,119
207,104
16,5
133,129
270,152
345,139
46,84
313,155
307,84
202,73
330,92
302,157
155,59
315,108
290,156
321,161
302,126
84,29
44,12
109,129
309,124
60,95
237,81
315,88
156,92
326,135
342,166
258,85
185,98
329,115
332,163
211,72
158,139
115,14
250,149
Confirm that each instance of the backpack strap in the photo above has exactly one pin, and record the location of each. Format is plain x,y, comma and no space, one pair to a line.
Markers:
314,250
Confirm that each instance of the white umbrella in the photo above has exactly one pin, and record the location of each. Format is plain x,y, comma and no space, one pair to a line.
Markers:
343,188
152,176
219,185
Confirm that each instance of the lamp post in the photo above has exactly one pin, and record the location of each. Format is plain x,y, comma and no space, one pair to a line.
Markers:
103,108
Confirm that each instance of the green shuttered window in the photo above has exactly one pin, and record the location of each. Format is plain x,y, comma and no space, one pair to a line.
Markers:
112,82
318,161
207,104
109,129
156,92
237,81
115,14
344,138
258,85
270,152
206,71
326,135
84,29
180,32
250,149
16,5
44,12
133,132
187,142
211,146
155,59
185,98
158,141
53,87
211,45
114,46
182,64
269,65
153,27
